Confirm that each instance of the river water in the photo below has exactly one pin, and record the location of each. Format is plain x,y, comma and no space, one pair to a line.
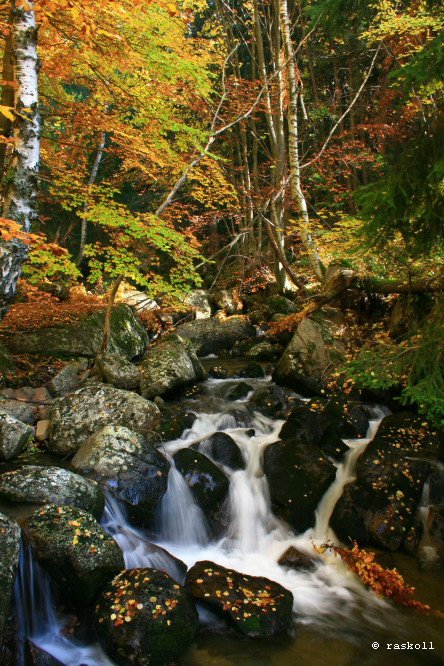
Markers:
336,619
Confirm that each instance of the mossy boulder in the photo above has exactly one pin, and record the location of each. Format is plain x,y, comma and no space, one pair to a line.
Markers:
78,415
170,365
84,337
79,555
255,606
13,436
10,534
207,482
143,617
133,469
118,371
279,305
51,485
209,336
298,475
265,351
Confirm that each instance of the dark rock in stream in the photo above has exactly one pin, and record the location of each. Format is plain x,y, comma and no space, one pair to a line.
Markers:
298,475
299,560
144,617
265,351
209,336
79,415
240,391
207,482
223,449
255,606
35,656
32,484
174,422
10,534
134,470
274,401
77,553
252,371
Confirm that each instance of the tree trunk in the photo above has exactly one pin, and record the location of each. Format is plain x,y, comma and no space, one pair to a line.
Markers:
20,182
7,97
91,181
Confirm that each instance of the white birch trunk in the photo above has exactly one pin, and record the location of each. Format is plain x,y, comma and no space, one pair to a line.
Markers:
20,183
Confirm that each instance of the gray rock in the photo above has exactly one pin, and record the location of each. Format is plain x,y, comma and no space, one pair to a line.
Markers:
23,411
264,351
9,556
13,436
68,379
210,336
228,300
74,549
78,415
84,337
134,470
118,371
169,366
200,304
279,305
51,485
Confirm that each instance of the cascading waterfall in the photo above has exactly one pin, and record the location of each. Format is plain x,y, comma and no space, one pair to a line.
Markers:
254,540
431,495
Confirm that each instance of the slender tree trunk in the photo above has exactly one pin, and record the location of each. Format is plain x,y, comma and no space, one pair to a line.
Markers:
91,181
293,131
7,97
20,182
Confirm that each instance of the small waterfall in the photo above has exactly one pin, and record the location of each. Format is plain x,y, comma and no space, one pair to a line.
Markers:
179,520
432,495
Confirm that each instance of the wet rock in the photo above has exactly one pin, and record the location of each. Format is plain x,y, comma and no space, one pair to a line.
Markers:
228,300
274,401
79,555
68,379
198,300
209,336
35,656
265,351
218,372
312,351
42,430
170,365
207,482
84,338
13,436
134,470
118,371
174,422
9,557
146,614
252,371
380,508
298,476
78,415
279,305
223,449
255,606
293,558
242,347
51,485
240,391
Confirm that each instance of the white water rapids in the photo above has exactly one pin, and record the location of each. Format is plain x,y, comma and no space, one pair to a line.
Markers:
252,543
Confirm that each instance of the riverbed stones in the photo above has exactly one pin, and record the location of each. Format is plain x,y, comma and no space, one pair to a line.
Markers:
79,415
380,507
84,337
144,617
32,484
13,436
133,469
170,365
207,482
298,475
255,606
118,371
10,534
209,336
79,555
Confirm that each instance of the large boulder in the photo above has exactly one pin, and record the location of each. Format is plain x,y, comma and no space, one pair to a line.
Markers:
118,371
379,509
255,606
170,365
298,475
134,470
79,415
144,615
51,485
314,350
9,557
84,337
13,436
210,336
207,482
74,549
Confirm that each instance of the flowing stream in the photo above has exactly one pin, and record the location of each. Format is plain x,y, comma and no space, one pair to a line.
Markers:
252,542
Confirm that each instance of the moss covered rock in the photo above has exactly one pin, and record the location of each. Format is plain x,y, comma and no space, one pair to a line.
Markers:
79,555
255,606
51,485
118,371
143,617
210,336
78,415
9,557
13,436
